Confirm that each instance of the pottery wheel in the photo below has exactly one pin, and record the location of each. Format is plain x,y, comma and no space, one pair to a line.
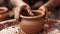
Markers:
11,30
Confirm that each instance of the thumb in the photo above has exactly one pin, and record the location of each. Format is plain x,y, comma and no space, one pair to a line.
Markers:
42,8
29,11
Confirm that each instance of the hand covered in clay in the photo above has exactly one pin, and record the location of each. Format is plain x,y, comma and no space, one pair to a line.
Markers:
20,5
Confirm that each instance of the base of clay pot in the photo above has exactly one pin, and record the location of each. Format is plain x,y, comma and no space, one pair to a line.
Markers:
21,32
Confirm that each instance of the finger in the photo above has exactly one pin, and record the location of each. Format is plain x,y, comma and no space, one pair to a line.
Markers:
17,12
44,9
29,11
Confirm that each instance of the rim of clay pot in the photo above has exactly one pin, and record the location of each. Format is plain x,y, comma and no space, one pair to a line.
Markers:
3,9
30,17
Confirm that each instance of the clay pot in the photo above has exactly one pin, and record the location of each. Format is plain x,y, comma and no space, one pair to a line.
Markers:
32,24
3,16
3,10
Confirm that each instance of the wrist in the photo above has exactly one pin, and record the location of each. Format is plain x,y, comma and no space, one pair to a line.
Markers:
16,3
19,3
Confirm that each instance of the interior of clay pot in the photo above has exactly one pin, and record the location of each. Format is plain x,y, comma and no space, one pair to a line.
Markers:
36,14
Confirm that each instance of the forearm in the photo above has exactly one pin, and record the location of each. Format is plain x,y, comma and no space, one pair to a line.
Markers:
16,2
51,4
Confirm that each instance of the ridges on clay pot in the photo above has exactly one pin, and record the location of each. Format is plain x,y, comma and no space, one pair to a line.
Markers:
32,24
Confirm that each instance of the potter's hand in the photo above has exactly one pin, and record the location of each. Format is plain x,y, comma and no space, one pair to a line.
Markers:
22,6
42,8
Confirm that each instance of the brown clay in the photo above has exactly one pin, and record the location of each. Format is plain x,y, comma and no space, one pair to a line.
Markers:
32,24
7,15
49,22
3,16
3,9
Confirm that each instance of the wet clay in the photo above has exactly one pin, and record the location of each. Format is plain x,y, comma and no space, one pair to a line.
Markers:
32,24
